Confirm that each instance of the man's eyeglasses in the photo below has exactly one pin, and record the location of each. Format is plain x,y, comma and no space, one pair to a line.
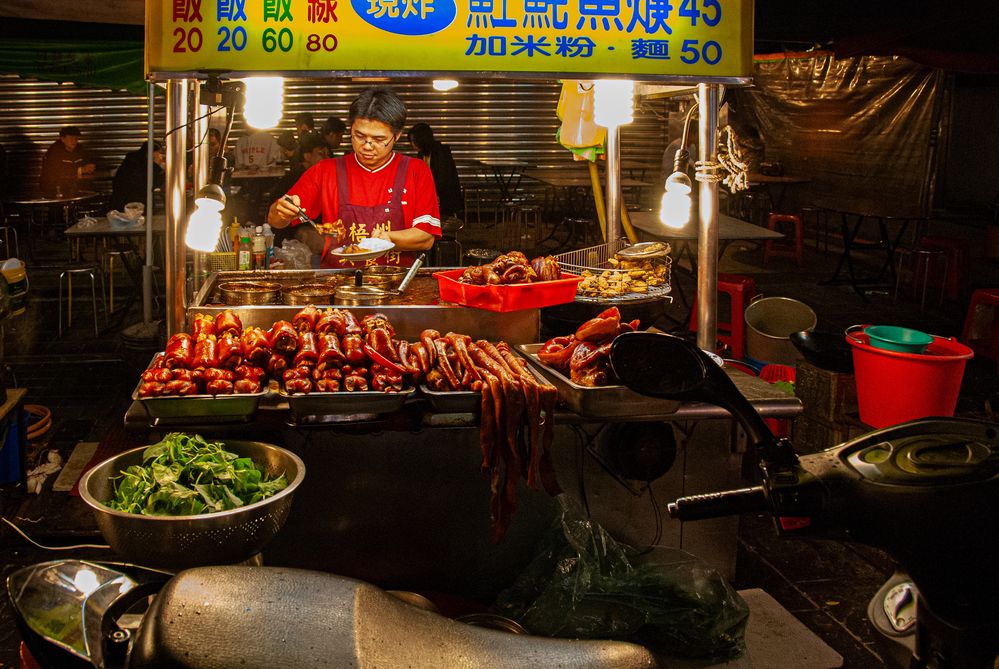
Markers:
361,140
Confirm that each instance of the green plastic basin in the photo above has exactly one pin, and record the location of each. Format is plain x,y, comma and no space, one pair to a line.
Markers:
894,338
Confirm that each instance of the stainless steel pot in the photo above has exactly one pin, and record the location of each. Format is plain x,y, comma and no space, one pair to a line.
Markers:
309,293
359,296
769,324
236,293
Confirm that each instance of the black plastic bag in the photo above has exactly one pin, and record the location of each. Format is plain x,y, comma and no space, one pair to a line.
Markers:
583,585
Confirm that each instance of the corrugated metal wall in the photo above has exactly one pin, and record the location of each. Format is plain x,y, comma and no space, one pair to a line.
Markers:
481,118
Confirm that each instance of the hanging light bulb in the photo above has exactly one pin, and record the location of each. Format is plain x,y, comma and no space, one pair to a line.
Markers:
445,84
612,102
264,101
205,224
674,210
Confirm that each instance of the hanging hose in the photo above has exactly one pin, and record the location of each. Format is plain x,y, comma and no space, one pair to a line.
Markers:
44,422
598,201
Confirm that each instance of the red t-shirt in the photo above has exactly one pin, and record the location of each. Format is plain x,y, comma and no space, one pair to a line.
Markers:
317,189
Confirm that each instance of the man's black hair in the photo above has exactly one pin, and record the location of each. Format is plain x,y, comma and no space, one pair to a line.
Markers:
379,104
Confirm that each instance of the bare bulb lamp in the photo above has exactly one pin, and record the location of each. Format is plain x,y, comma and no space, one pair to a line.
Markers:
677,203
612,102
264,99
205,223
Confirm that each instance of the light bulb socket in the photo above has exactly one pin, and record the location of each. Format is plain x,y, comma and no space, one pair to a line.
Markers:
212,191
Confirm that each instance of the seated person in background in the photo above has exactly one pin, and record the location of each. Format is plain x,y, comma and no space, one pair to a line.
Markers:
257,151
65,162
289,145
333,131
438,157
313,149
129,184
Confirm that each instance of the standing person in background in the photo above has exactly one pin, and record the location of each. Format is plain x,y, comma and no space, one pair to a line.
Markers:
65,162
333,131
257,151
313,149
438,157
374,191
129,184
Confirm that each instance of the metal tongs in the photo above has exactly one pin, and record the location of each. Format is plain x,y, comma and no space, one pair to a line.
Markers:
301,212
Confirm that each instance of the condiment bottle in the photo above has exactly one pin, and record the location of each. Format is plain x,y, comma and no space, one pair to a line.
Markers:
234,234
259,248
244,257
268,245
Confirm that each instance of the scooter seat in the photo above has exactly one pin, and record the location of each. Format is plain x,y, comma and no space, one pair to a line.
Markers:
275,618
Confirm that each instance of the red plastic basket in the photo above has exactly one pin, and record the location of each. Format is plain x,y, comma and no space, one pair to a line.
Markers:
895,387
507,297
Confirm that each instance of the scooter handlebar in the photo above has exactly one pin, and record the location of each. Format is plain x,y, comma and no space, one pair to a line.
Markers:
717,504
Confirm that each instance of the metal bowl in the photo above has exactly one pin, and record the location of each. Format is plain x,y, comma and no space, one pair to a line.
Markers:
237,293
181,542
384,276
359,296
309,293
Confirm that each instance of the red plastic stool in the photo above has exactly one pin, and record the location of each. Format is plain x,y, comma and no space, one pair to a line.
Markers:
957,276
731,332
981,324
795,249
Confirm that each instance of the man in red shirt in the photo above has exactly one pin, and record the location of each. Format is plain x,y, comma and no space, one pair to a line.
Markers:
372,192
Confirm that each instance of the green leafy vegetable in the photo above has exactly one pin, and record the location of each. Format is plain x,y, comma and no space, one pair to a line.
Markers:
185,475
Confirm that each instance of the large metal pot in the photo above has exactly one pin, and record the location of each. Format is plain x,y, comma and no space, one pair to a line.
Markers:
769,324
359,296
237,293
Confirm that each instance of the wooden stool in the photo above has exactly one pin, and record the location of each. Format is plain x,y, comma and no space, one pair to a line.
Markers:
981,324
731,332
795,249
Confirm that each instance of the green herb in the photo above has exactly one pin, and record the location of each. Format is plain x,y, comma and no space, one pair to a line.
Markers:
185,475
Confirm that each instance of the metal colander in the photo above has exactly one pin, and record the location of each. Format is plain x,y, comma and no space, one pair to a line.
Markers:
180,542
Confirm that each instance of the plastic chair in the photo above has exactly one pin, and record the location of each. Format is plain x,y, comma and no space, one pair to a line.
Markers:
795,249
731,332
981,324
68,274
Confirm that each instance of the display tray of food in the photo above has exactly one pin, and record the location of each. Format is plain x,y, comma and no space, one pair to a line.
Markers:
578,365
342,405
619,272
167,393
452,401
509,283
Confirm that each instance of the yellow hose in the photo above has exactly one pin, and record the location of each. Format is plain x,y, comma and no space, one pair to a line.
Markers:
598,200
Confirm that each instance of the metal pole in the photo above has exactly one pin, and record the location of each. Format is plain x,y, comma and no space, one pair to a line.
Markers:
176,205
613,199
147,268
707,232
200,178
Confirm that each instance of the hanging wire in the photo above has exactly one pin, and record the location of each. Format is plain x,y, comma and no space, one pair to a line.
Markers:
53,548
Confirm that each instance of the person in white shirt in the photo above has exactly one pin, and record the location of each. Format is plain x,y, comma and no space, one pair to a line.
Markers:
257,151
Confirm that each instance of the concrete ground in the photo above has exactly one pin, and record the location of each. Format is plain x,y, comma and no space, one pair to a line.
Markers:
86,381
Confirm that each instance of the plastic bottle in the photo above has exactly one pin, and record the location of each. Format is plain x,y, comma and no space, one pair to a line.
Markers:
268,245
234,234
244,257
259,248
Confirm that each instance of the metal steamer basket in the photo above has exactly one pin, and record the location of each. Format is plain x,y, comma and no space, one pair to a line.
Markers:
597,261
181,542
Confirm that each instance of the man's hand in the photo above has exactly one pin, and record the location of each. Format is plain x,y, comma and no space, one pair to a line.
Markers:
282,212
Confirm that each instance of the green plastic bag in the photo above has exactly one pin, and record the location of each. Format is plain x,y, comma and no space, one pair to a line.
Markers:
583,585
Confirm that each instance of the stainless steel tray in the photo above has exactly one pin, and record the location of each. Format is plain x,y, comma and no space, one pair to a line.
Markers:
343,405
600,402
452,401
210,408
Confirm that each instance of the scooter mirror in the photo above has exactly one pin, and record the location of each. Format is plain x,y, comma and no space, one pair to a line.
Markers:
657,364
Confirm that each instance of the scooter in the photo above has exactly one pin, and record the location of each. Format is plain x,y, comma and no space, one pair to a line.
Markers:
925,491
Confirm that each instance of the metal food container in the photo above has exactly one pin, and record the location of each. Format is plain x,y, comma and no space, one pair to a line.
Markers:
383,276
181,542
310,293
238,293
358,296
204,408
452,401
597,402
343,406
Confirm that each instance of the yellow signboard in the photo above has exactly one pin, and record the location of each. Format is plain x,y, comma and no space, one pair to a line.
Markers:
649,39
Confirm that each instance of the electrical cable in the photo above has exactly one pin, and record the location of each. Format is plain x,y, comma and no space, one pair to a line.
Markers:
53,548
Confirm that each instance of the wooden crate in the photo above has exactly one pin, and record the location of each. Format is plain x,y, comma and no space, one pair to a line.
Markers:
825,395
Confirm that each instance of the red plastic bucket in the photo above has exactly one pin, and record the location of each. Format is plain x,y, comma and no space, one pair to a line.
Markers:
895,387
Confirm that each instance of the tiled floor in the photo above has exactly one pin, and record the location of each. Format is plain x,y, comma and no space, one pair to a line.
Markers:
86,381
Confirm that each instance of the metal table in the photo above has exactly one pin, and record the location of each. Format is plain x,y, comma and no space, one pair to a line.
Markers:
44,205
